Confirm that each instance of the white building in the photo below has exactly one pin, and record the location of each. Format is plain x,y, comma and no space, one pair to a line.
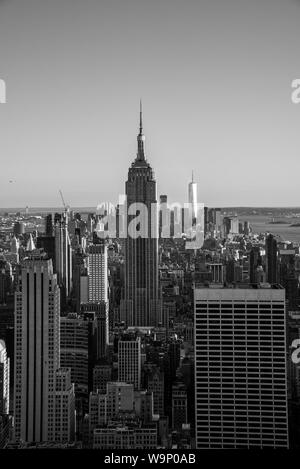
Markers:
4,379
97,273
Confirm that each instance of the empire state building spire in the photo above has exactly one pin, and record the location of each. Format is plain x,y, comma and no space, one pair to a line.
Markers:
141,138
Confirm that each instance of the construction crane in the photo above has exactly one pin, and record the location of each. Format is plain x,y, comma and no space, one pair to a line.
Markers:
66,207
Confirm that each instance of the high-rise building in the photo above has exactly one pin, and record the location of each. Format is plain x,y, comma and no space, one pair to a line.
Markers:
192,198
49,225
64,406
234,225
255,259
141,305
78,349
6,281
97,273
47,243
100,310
164,217
218,272
179,406
4,379
129,361
120,398
37,359
19,228
155,384
102,374
271,259
240,368
63,257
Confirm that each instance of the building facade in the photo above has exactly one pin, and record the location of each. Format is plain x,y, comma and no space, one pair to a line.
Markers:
240,368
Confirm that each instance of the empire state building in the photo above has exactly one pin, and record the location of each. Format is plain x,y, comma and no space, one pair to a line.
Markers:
141,305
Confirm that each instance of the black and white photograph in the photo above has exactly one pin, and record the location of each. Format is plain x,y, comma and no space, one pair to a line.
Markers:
149,228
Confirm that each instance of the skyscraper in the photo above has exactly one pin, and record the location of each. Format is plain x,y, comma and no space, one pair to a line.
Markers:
129,360
37,359
271,258
240,368
255,260
193,200
63,257
97,273
141,306
179,406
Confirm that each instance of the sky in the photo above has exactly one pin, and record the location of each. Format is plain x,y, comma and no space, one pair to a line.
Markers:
215,79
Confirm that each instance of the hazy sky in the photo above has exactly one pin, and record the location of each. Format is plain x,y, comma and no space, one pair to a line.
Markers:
215,78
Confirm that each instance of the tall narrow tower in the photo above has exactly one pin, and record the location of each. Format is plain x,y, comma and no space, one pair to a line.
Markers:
141,306
40,387
193,199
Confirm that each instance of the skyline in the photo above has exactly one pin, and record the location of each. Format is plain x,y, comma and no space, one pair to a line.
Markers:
71,115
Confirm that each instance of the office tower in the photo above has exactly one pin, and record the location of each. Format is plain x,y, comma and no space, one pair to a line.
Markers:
4,379
101,313
234,225
288,277
97,273
37,310
240,367
63,256
155,384
164,217
97,416
218,272
30,246
294,381
102,374
47,243
179,406
255,263
14,248
36,358
226,225
129,361
247,228
49,225
192,198
120,398
19,228
173,356
78,349
143,406
271,259
6,281
141,306
104,408
79,265
230,269
64,406
218,219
